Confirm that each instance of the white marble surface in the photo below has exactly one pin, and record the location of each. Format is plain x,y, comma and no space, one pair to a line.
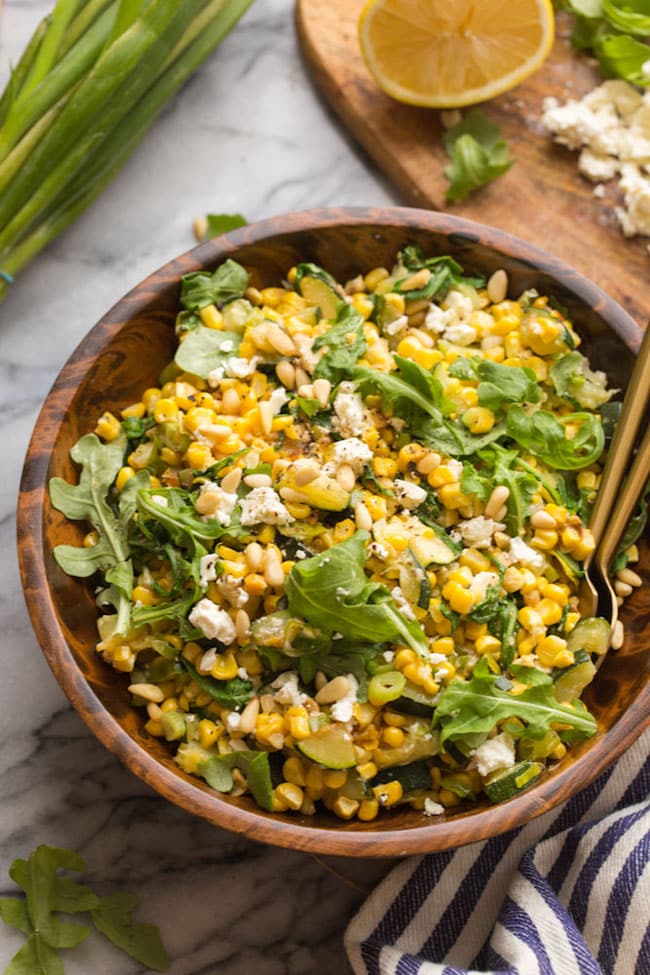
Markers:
247,134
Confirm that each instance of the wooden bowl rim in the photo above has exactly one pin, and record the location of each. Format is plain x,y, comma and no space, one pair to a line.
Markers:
371,842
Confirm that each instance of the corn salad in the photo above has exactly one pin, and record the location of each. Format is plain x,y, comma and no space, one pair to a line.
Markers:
350,515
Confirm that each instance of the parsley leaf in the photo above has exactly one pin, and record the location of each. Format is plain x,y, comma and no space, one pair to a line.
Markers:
478,155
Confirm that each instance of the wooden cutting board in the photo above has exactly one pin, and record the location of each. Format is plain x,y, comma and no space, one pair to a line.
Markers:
542,198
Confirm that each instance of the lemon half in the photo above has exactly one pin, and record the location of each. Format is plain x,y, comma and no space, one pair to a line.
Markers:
450,53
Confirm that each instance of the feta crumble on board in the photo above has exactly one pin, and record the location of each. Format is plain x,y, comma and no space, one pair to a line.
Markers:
611,127
213,621
263,505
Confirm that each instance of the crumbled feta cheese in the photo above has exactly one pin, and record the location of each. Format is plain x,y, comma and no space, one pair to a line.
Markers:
277,399
599,191
227,346
437,658
461,334
460,303
343,710
238,368
242,673
496,753
523,553
215,376
232,721
408,494
478,532
160,500
437,319
378,550
397,325
207,661
286,689
207,570
455,466
402,603
223,502
480,584
351,419
432,808
213,621
612,127
389,656
263,504
351,451
233,591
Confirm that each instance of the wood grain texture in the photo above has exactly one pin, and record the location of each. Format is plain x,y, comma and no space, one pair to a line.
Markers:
124,353
542,198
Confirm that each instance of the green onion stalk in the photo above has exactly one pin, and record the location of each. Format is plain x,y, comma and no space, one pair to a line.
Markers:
89,84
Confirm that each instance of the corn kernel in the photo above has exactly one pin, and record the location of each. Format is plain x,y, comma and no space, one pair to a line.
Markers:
165,411
488,644
368,810
478,419
293,771
442,475
290,794
550,611
552,652
393,737
545,539
208,733
225,667
345,808
460,599
475,560
388,794
211,317
198,456
108,427
369,770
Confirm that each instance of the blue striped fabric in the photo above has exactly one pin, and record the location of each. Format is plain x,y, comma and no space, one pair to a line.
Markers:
568,894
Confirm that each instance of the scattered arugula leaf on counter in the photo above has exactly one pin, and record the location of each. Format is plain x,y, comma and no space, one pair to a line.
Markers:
221,223
344,343
478,155
200,288
48,894
332,592
206,349
470,707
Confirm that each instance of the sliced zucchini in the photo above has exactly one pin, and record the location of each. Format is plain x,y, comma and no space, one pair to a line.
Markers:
414,776
414,747
330,747
431,551
414,583
591,635
318,288
571,682
323,492
414,701
512,782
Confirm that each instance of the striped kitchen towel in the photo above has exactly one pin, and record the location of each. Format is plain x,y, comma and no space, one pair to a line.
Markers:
568,894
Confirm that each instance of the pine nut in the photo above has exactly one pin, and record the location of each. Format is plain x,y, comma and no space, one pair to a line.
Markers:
335,690
242,625
254,556
322,389
206,504
302,377
232,480
150,692
249,715
497,286
618,635
288,494
501,540
619,601
346,477
154,711
273,572
416,320
630,577
320,680
415,307
542,519
428,463
355,285
215,432
362,517
267,703
280,341
622,588
498,515
496,500
423,337
305,471
266,416
251,459
254,295
286,373
258,480
231,402
200,228
418,280
306,391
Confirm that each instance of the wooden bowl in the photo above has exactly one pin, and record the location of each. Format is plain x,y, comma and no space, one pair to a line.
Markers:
125,352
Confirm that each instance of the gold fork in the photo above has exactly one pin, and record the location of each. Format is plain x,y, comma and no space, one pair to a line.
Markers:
615,504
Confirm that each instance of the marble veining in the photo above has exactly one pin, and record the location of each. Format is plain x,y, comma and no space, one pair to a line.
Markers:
247,134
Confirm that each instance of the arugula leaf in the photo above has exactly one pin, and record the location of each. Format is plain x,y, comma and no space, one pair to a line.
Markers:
621,56
413,259
474,482
631,17
476,706
13,911
179,517
206,349
345,344
255,765
200,289
502,385
221,223
544,434
574,380
333,592
478,155
233,694
35,959
113,917
135,427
